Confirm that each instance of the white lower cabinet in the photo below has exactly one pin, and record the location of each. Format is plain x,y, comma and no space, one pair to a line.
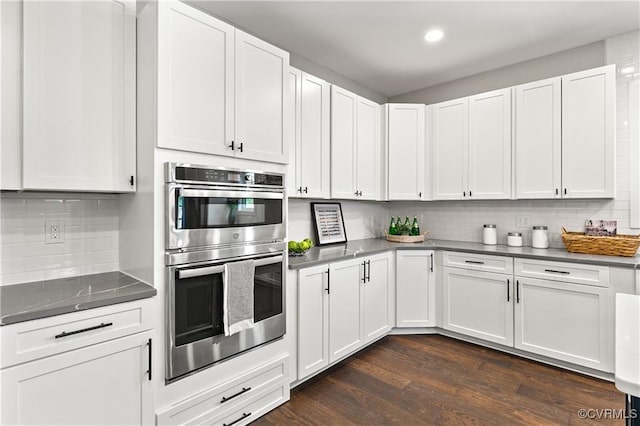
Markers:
342,306
81,382
478,304
415,289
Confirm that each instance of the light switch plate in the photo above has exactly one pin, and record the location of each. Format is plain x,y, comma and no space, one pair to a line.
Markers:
53,231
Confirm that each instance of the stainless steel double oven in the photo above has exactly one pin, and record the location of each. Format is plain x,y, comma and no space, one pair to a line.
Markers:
216,216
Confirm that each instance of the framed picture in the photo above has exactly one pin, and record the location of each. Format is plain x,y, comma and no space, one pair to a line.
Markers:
328,223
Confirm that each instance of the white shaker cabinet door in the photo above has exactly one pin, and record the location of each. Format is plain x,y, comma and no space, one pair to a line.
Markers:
368,165
261,79
344,313
344,109
415,289
79,95
450,145
490,145
376,293
405,145
538,142
588,127
293,132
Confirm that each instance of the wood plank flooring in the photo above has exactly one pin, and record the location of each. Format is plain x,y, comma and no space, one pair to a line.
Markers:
427,379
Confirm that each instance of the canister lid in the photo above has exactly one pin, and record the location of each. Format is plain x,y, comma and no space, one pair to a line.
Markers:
489,226
515,234
540,227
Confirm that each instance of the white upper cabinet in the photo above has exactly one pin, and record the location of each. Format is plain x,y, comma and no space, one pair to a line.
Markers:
538,139
355,140
405,151
309,129
449,130
220,91
79,96
588,130
490,145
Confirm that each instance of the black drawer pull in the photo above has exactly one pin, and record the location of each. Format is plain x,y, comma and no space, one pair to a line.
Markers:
95,327
244,416
475,262
225,399
557,272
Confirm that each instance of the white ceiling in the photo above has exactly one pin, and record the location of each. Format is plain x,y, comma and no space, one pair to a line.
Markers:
380,45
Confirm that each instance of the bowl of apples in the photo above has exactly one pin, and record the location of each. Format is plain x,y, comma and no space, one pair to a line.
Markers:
299,248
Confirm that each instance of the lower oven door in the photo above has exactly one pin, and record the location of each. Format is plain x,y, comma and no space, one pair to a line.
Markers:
195,329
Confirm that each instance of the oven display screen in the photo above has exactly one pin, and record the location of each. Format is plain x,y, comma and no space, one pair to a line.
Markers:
233,177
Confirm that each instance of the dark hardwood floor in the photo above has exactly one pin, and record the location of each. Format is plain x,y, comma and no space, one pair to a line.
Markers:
427,379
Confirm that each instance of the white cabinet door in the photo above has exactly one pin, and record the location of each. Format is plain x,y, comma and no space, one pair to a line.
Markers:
79,95
344,110
344,313
314,138
538,165
261,79
415,289
293,131
569,322
490,145
368,163
313,320
195,81
105,383
450,145
478,304
588,145
375,297
405,155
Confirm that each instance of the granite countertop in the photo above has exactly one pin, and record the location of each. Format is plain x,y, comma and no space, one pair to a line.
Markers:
41,299
357,248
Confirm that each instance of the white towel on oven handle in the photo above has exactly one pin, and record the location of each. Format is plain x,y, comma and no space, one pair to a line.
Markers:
238,281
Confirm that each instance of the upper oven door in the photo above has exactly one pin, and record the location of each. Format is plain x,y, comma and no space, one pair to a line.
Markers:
201,217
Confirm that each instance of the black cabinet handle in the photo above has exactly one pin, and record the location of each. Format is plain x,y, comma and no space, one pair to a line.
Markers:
328,289
469,193
232,146
555,271
300,189
360,193
517,291
508,282
150,357
431,262
244,416
364,272
95,327
419,194
368,271
241,146
464,193
306,190
131,180
565,191
474,262
557,192
235,395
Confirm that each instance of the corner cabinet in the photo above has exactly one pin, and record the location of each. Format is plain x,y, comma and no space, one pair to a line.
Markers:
308,135
79,96
342,307
355,146
220,91
415,289
104,372
405,143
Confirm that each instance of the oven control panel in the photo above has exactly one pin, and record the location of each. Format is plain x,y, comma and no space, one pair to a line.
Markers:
206,175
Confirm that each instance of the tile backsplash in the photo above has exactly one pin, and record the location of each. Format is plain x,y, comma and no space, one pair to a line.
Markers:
90,235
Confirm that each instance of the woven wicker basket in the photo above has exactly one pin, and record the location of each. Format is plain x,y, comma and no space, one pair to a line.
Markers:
620,245
406,238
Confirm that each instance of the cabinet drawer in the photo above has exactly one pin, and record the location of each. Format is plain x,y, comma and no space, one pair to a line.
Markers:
30,340
239,391
563,271
478,262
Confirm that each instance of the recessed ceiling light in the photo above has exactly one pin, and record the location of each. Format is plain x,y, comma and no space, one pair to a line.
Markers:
627,70
433,35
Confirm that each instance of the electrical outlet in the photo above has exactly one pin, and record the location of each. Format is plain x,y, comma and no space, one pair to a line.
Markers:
53,231
523,221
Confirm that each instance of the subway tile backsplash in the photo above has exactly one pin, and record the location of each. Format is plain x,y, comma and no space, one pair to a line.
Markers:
90,236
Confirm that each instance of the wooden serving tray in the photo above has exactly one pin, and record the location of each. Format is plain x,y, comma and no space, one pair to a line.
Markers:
406,238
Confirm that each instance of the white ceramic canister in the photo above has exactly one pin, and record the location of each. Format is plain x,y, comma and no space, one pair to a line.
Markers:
490,235
514,239
539,237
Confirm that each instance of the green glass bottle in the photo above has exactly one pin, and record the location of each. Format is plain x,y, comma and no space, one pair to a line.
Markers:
393,230
399,227
407,227
415,228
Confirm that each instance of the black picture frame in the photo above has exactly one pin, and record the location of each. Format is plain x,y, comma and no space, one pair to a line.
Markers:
328,223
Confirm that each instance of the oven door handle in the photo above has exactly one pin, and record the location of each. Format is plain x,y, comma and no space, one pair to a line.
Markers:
218,269
232,193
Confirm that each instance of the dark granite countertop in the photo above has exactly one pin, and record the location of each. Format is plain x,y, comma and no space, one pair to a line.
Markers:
41,299
358,248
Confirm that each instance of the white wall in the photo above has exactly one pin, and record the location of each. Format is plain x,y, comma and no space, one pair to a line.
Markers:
90,241
565,62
